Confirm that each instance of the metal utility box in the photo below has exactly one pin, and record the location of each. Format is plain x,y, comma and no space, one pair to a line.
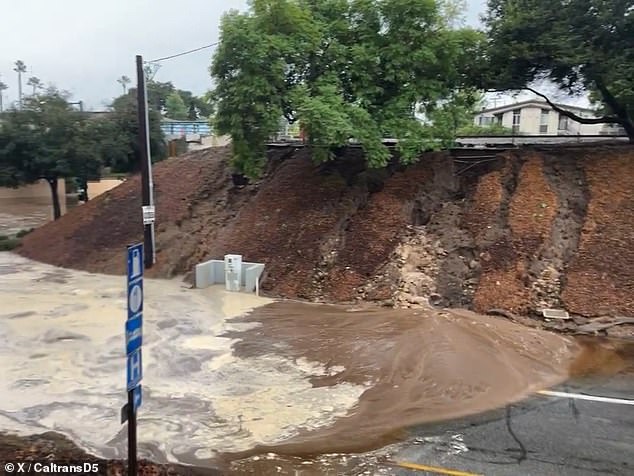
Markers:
233,272
216,271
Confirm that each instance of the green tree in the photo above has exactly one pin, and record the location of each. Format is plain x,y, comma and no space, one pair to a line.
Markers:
342,69
454,117
3,87
20,68
35,83
578,44
46,139
119,135
175,107
158,93
449,117
198,107
124,81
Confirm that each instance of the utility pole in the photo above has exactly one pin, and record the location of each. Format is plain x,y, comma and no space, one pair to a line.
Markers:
147,185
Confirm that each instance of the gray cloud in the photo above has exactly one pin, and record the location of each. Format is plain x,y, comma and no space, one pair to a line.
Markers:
84,46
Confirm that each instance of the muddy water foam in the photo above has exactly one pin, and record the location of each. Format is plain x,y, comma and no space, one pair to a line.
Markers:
62,364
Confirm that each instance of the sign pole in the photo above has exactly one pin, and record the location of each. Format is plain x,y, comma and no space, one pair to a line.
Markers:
133,344
146,164
132,464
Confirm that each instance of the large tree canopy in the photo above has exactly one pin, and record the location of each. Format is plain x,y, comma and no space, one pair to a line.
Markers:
579,44
158,99
343,69
119,144
47,139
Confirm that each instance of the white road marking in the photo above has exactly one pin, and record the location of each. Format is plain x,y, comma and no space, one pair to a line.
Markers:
580,396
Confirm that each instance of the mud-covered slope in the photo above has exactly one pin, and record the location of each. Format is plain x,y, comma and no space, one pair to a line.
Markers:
532,228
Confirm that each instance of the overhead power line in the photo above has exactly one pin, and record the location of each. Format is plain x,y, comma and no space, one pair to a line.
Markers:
165,58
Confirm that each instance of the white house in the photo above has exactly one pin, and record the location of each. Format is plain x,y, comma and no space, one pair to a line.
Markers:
536,117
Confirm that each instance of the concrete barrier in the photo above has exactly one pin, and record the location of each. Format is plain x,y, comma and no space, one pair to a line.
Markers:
213,272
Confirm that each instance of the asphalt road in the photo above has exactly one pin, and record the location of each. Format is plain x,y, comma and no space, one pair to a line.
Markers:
543,435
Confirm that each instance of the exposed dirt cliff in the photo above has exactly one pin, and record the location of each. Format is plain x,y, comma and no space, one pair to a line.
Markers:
529,229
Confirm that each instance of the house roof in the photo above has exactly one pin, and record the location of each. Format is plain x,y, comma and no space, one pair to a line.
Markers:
535,103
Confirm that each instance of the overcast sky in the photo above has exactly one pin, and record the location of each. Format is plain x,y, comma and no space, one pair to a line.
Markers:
83,46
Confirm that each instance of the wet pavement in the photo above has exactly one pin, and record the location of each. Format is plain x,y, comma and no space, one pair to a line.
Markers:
540,436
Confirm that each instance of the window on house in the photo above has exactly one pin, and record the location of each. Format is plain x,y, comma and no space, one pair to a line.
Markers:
563,123
497,119
543,123
485,120
516,120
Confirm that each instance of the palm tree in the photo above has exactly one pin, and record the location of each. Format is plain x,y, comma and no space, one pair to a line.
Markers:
3,86
124,81
35,83
20,68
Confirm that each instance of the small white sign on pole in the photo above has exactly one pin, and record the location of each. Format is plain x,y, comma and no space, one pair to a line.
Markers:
148,215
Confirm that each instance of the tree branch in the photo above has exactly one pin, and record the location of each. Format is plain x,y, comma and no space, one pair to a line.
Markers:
576,118
617,108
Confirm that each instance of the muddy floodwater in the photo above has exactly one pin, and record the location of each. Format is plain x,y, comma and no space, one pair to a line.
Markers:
227,375
62,368
25,213
418,366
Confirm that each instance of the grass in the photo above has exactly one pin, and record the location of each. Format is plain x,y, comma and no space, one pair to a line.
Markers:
8,244
23,233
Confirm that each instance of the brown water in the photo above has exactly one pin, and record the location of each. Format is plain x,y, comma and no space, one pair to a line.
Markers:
600,356
310,383
419,366
21,211
25,213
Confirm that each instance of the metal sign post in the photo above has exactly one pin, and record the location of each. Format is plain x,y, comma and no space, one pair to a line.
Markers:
133,343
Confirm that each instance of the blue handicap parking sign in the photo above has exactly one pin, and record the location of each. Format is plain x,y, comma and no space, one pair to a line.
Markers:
135,280
134,370
135,261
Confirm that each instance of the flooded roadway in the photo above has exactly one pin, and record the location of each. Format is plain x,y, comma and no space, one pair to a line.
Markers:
62,364
290,379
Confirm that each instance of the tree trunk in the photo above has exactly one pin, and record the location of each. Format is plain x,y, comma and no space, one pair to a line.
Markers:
57,211
84,185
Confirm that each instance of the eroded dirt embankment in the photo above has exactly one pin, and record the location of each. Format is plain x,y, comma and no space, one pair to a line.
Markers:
531,229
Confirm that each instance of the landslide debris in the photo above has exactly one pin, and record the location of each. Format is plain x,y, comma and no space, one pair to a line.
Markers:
532,228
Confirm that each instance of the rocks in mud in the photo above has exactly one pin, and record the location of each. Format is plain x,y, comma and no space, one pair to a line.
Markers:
546,288
418,258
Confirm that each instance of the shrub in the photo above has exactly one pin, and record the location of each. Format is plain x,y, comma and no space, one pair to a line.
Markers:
23,233
9,244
